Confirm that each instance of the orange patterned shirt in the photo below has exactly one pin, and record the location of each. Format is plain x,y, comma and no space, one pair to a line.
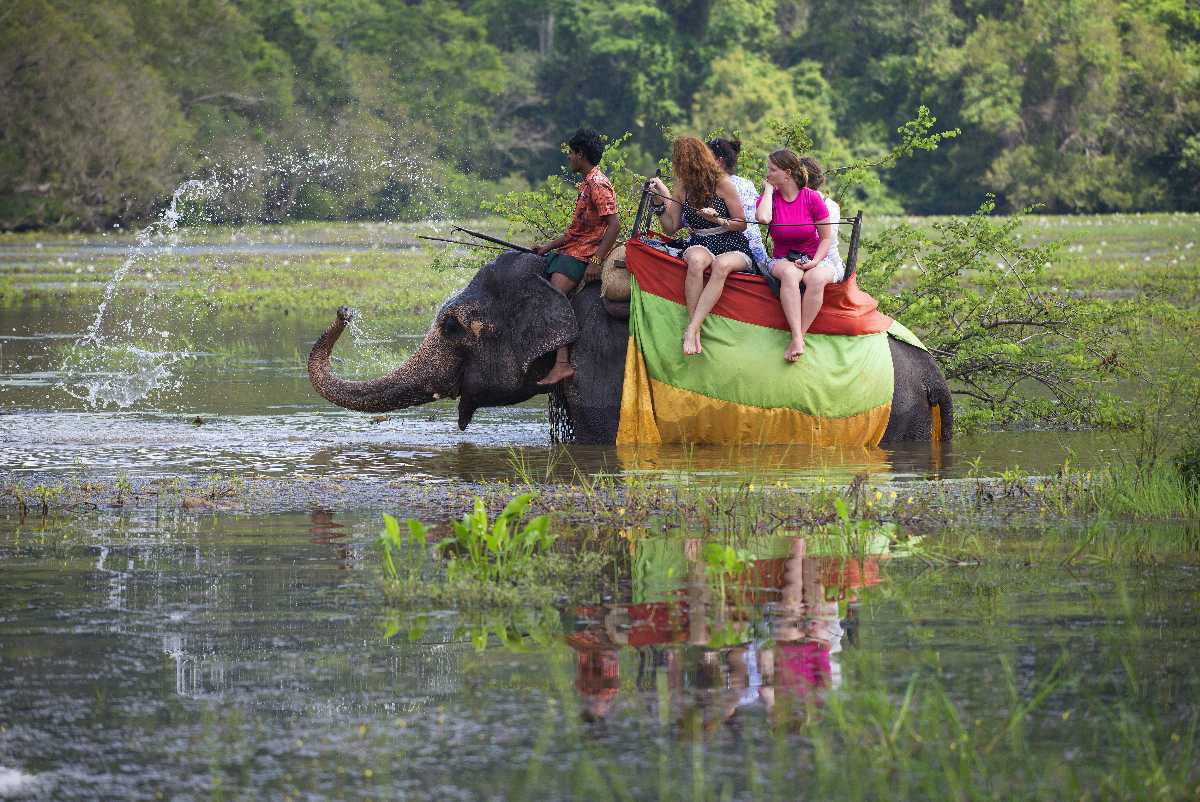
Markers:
596,201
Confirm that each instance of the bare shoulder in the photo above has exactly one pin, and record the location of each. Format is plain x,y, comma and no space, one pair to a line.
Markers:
726,188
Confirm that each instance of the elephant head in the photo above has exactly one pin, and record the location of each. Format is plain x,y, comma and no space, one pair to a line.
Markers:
488,346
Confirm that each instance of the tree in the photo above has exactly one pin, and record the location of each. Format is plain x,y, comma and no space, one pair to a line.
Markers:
88,135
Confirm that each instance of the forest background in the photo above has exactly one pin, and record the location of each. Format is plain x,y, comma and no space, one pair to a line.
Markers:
367,109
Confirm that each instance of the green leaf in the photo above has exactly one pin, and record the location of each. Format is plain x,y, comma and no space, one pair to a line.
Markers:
843,512
516,508
418,531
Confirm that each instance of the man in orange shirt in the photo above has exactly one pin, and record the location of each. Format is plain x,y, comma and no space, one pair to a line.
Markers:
580,251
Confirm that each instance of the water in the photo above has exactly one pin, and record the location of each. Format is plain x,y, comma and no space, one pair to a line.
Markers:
167,654
132,352
259,416
173,656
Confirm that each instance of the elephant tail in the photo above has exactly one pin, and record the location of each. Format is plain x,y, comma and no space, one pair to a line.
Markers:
941,410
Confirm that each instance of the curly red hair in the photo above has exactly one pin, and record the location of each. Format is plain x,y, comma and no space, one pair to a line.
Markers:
696,168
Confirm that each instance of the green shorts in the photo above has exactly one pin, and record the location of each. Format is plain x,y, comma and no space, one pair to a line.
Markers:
569,266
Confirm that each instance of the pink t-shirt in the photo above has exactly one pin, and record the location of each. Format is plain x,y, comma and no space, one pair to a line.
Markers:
806,207
804,665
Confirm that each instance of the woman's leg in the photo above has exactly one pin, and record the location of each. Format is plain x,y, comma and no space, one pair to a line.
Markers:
789,296
722,266
814,293
698,260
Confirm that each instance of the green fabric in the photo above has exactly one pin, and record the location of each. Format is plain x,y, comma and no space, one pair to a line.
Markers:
569,266
902,333
659,569
742,363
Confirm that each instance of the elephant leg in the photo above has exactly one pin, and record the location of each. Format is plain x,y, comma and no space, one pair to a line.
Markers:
591,399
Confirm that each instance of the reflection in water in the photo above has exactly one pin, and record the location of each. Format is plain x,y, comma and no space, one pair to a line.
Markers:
711,651
242,660
327,532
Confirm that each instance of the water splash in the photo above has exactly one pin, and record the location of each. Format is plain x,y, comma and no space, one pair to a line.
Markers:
140,336
14,781
122,362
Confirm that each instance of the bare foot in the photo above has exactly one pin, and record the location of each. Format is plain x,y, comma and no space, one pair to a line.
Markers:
691,343
795,349
560,371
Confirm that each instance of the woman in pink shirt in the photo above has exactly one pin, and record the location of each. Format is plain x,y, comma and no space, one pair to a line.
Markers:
802,249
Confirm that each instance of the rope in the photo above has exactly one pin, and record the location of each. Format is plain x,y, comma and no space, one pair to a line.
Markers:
687,205
462,242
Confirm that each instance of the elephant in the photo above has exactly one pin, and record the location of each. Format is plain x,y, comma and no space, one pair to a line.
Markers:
491,342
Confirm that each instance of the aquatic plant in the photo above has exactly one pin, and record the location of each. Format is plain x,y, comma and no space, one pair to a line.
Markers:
1157,491
491,551
874,739
407,551
507,562
46,494
17,491
722,560
123,488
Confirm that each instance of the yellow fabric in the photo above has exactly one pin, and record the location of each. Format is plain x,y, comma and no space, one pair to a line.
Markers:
654,412
829,463
637,423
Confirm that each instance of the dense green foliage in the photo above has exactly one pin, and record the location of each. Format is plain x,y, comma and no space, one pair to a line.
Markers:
336,109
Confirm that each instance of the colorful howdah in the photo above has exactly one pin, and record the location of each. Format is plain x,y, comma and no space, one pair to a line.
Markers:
740,389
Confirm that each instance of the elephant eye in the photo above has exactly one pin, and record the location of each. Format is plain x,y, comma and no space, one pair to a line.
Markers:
452,328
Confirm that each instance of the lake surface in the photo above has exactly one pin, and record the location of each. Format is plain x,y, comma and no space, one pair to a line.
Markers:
174,656
259,417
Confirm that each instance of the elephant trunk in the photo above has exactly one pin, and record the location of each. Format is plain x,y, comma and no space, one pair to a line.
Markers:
429,374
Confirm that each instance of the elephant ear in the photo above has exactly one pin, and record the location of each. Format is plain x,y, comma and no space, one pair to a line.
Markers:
537,318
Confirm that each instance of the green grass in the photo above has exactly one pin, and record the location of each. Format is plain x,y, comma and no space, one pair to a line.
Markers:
1110,256
401,288
1104,255
1160,492
924,721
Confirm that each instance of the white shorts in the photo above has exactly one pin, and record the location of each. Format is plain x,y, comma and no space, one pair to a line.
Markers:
832,260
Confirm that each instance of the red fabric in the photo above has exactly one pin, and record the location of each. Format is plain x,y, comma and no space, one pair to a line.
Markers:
657,623
846,310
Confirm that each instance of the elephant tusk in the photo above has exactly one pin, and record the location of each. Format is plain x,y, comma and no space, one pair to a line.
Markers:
436,396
